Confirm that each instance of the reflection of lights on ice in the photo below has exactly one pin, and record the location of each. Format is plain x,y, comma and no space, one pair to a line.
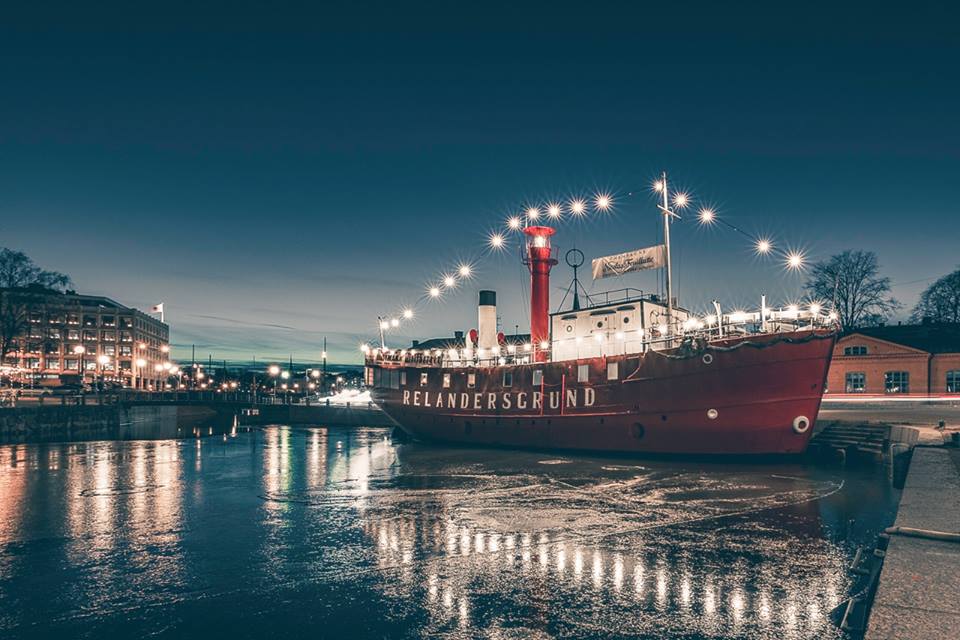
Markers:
597,569
617,572
685,591
764,607
638,579
578,563
661,586
432,587
736,603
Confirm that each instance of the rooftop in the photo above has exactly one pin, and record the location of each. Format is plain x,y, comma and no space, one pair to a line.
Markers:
933,337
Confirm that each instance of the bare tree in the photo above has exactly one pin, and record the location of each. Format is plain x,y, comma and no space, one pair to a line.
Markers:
851,282
940,302
22,284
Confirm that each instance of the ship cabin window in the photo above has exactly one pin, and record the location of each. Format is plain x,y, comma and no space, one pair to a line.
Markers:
856,350
896,382
537,377
583,373
953,381
446,381
856,382
508,378
403,378
424,379
471,380
613,370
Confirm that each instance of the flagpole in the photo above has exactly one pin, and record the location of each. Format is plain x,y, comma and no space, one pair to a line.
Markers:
666,241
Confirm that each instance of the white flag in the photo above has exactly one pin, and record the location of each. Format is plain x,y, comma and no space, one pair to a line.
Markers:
157,308
646,258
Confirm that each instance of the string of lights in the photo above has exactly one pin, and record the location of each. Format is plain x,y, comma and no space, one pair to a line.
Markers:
577,207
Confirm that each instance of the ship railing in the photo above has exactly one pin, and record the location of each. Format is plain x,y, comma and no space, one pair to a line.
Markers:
610,342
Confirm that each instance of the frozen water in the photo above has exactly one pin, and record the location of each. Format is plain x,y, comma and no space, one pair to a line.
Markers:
318,532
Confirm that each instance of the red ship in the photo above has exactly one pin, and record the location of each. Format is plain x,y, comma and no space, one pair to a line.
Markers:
633,373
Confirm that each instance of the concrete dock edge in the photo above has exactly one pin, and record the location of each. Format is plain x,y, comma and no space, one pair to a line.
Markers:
919,591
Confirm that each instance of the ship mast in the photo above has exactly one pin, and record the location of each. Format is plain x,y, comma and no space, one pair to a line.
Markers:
668,271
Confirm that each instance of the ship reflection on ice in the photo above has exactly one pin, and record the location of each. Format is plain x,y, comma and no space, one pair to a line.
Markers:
313,532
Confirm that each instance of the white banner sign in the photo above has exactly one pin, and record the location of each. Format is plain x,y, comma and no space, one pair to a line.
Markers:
646,258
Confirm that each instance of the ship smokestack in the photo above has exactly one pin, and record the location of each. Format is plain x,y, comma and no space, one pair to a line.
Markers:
539,258
487,320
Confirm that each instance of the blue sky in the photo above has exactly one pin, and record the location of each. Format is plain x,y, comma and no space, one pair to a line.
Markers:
276,173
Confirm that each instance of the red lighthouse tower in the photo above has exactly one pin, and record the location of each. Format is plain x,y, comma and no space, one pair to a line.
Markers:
539,258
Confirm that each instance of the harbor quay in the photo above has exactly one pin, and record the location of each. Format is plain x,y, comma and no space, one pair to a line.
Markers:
919,585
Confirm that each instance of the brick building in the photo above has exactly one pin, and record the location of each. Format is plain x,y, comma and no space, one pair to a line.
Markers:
917,360
70,336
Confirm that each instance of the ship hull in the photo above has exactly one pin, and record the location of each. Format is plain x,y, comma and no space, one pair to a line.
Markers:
756,395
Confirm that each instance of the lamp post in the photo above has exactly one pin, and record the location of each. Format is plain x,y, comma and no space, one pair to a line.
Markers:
286,376
274,371
141,363
79,350
103,360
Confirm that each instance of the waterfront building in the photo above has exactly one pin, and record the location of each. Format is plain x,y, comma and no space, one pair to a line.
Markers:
72,337
896,360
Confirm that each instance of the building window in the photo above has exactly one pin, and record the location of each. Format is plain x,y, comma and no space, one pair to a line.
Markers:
108,335
54,334
125,336
89,365
126,323
613,370
583,373
71,365
108,321
403,378
56,318
953,381
446,381
537,377
73,318
856,382
424,379
508,378
896,381
857,350
126,350
471,380
89,336
73,334
109,349
89,321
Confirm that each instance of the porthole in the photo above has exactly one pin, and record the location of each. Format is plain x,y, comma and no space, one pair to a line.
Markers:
626,321
707,358
712,414
600,325
569,328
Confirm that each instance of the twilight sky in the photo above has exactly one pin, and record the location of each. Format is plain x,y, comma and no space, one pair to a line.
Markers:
280,172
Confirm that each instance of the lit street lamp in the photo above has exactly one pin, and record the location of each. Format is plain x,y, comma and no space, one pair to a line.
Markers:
103,360
79,350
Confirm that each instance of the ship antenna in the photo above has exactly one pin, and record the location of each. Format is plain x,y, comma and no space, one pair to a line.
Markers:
575,259
668,272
